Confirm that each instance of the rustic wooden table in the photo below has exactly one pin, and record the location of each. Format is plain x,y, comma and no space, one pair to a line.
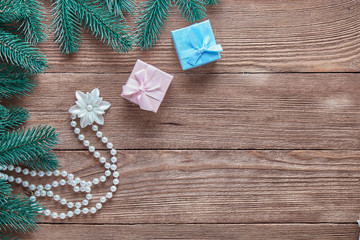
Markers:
263,144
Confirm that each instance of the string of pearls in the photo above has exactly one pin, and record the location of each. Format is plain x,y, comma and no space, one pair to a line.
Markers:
76,183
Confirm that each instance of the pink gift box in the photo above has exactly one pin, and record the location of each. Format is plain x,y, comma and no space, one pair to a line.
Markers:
146,86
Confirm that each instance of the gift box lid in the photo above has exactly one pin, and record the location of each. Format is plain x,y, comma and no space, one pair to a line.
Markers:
183,44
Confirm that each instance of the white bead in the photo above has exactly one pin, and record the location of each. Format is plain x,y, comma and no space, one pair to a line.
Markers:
91,148
71,182
50,193
78,205
102,160
40,187
103,199
32,198
107,165
55,183
81,137
113,188
95,128
25,183
64,173
47,186
88,196
95,181
85,210
104,139
56,173
82,189
113,167
25,171
73,117
102,179
85,202
109,145
43,193
77,130
114,159
87,189
73,123
107,173
77,180
11,179
41,173
109,195
70,176
70,214
98,205
62,182
86,143
99,134
113,152
54,215
70,204
18,169
37,193
116,174
83,183
89,183
18,180
62,215
11,168
92,210
56,197
47,212
63,201
116,181
76,189
96,154
48,173
32,187
33,173
77,211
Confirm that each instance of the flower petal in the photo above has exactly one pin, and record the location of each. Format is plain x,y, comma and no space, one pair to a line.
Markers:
99,119
104,105
95,93
76,110
79,95
83,122
98,111
91,117
81,103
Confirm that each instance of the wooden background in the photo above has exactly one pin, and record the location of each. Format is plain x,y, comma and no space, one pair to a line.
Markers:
263,144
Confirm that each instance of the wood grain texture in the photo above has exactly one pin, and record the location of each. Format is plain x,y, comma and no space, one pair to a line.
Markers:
216,111
228,186
197,231
260,36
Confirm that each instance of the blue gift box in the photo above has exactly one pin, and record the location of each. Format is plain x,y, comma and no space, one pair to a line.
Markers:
196,45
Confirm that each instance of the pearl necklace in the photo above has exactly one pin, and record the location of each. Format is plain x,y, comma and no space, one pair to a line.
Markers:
69,179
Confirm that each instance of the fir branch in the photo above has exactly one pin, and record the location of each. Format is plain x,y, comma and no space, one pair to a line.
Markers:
5,236
212,2
5,188
118,7
47,162
18,213
15,51
14,82
102,24
18,147
192,10
31,24
11,118
12,10
151,21
66,27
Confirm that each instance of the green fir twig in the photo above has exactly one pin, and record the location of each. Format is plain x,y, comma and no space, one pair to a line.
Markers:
192,10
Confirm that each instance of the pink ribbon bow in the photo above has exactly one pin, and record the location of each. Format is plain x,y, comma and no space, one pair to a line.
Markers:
144,87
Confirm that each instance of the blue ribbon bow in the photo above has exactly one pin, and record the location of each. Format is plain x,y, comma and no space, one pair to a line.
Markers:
201,43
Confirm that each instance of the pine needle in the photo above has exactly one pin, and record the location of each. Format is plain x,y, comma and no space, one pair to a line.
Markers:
12,10
119,7
66,27
151,21
192,10
15,51
11,118
212,2
19,147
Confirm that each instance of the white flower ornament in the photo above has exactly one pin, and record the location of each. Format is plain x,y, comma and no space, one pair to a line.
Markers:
89,107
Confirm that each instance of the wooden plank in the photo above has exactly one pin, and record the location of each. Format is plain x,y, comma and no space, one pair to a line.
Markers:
197,231
227,186
217,111
257,36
